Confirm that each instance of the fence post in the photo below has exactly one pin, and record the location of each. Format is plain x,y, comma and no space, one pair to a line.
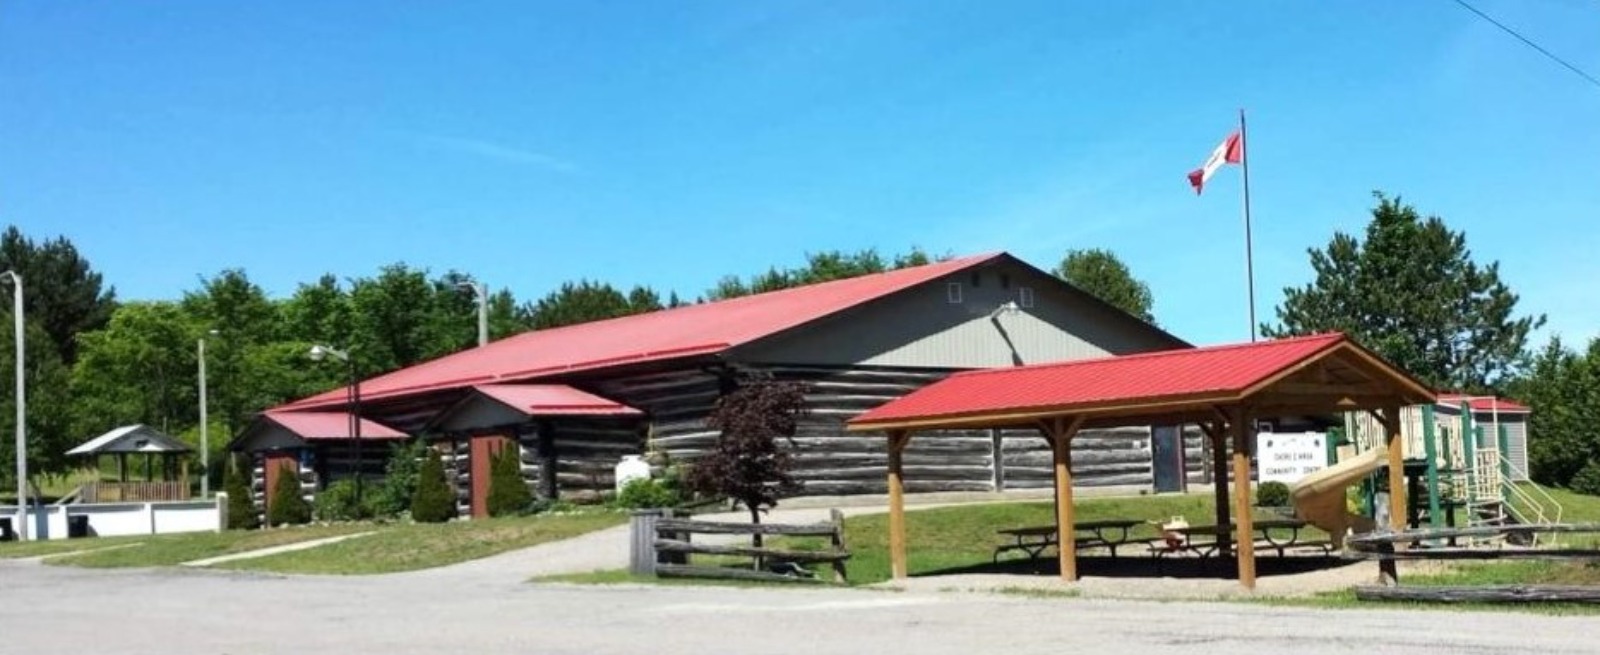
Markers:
221,500
642,532
837,517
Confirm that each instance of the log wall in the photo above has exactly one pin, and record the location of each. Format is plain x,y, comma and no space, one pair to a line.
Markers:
830,460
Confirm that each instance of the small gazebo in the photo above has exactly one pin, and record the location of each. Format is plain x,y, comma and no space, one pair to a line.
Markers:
166,470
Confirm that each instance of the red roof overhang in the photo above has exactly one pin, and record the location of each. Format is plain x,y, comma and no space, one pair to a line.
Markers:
1315,374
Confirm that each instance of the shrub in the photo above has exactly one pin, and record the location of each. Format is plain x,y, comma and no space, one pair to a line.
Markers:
339,503
1272,494
1587,480
508,492
241,504
648,493
433,501
288,506
393,495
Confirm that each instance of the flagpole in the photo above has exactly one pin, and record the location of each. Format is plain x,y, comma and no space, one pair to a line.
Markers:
1249,250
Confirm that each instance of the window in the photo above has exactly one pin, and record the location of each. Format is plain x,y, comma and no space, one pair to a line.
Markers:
1005,281
977,280
1025,297
953,293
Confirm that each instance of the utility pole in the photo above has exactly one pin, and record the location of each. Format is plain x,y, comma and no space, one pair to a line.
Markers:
22,404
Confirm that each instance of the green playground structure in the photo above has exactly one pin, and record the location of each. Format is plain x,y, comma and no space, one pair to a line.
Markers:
1465,467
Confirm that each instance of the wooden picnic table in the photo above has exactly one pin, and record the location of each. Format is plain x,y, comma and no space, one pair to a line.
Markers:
1108,533
1265,529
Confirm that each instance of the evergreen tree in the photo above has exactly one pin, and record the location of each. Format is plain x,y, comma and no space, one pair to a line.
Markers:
508,492
433,502
287,507
241,506
1412,292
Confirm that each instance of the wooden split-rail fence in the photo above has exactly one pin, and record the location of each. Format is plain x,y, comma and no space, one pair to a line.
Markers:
1390,547
671,545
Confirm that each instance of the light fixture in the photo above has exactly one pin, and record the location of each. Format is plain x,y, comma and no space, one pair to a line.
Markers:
1007,307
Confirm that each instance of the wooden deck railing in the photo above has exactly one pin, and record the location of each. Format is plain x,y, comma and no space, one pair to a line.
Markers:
134,492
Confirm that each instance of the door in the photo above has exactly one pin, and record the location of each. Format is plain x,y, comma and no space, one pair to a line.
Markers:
481,457
1166,453
277,465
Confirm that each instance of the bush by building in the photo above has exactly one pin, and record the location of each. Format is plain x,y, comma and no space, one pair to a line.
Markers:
433,501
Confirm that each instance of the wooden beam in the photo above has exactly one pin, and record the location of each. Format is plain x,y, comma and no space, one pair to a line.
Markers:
1397,471
1244,528
1066,536
1287,388
1219,482
897,505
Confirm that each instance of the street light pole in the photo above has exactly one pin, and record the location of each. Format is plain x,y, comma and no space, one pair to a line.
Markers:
22,405
353,396
481,292
205,425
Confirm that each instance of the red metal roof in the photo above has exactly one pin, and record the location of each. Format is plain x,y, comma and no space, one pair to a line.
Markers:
554,400
701,329
312,426
1484,404
1228,369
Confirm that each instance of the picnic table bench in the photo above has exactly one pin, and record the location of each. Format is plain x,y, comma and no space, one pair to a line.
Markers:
1034,541
1269,533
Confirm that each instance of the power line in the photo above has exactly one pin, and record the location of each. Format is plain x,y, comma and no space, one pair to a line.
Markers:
1530,43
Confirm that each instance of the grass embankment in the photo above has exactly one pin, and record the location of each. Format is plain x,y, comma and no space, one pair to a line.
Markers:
964,536
409,547
174,549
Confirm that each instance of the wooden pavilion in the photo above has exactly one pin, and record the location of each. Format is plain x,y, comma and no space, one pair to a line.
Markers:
166,469
1223,389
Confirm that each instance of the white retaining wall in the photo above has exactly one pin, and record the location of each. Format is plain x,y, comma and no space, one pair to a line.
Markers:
118,519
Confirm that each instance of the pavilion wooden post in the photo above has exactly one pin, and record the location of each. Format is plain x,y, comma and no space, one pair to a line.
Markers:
1219,479
1388,570
1061,432
1244,528
897,505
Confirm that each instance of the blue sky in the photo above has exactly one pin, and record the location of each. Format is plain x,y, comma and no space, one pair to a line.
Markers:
671,143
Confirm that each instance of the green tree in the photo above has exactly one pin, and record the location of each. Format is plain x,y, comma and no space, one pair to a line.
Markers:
400,477
288,506
1412,292
584,301
241,506
1104,276
508,492
822,266
318,313
61,292
1563,390
50,433
139,369
748,462
433,502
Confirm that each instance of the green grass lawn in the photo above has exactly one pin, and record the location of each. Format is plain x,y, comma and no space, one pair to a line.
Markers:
16,549
173,549
964,536
408,547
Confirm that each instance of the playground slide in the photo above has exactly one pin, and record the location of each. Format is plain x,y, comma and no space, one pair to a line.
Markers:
1319,498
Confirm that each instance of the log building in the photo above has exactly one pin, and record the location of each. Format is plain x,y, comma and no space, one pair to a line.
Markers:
575,399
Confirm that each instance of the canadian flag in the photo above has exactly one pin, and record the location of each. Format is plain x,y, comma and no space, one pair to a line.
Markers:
1230,151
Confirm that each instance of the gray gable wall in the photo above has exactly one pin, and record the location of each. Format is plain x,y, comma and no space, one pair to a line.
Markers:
922,327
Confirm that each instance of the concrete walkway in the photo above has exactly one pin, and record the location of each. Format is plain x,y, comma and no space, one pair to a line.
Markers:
263,552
